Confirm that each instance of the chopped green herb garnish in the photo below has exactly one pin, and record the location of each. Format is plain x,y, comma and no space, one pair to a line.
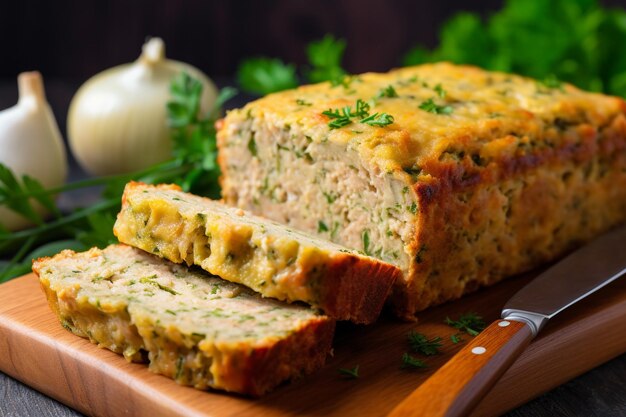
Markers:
325,57
456,338
151,280
413,208
388,91
339,123
173,313
345,116
378,119
330,197
179,367
301,102
414,172
252,146
352,373
266,75
440,91
365,235
471,323
410,362
421,344
321,227
431,107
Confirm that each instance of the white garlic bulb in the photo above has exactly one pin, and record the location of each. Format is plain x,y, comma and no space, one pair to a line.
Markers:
117,122
30,142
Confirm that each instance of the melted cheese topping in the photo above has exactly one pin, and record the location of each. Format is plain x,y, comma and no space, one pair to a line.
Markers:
491,112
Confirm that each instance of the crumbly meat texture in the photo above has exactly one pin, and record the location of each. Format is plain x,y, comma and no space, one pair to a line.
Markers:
273,259
481,175
197,329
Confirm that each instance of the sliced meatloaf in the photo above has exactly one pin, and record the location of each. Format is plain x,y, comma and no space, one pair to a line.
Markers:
272,259
197,329
457,175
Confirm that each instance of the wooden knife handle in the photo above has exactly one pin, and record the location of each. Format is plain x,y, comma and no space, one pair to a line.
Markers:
457,387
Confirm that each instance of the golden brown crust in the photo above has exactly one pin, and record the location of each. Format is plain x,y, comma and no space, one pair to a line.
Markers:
356,288
513,214
257,371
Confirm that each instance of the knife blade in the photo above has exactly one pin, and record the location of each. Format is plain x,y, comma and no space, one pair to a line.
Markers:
458,386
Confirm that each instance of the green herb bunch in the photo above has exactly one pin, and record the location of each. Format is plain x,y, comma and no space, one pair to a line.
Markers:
264,75
572,40
193,166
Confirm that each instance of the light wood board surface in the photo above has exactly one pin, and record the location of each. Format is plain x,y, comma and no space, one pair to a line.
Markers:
35,349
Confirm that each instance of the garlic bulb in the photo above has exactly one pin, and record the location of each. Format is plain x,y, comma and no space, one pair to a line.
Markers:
117,121
30,141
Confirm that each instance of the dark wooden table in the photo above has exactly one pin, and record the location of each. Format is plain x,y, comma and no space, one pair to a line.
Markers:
600,392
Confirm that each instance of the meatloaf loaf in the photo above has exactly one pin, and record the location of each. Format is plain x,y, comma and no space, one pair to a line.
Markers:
272,259
457,175
197,329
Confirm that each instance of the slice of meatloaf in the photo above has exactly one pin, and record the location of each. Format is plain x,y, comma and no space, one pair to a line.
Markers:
272,259
479,176
197,329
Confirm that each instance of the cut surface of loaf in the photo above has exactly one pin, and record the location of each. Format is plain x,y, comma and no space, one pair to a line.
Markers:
272,259
481,175
197,329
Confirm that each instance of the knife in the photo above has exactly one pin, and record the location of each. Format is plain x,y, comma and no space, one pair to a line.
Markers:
458,386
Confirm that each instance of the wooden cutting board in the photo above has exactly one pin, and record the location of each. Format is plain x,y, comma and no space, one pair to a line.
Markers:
36,350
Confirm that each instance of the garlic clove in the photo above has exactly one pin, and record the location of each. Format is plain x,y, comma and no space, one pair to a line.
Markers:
30,141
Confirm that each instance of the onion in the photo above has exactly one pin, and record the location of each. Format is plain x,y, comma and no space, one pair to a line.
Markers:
117,122
30,142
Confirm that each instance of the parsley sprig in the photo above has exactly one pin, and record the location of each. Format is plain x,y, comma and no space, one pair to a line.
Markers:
388,92
577,41
471,323
345,116
432,107
325,57
411,362
193,166
264,75
419,343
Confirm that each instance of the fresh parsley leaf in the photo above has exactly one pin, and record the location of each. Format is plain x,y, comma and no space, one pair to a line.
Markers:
193,166
15,194
325,58
321,227
456,338
421,344
388,92
471,323
431,107
362,109
99,230
252,146
339,122
577,41
440,91
352,373
344,116
265,75
365,236
410,362
378,119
